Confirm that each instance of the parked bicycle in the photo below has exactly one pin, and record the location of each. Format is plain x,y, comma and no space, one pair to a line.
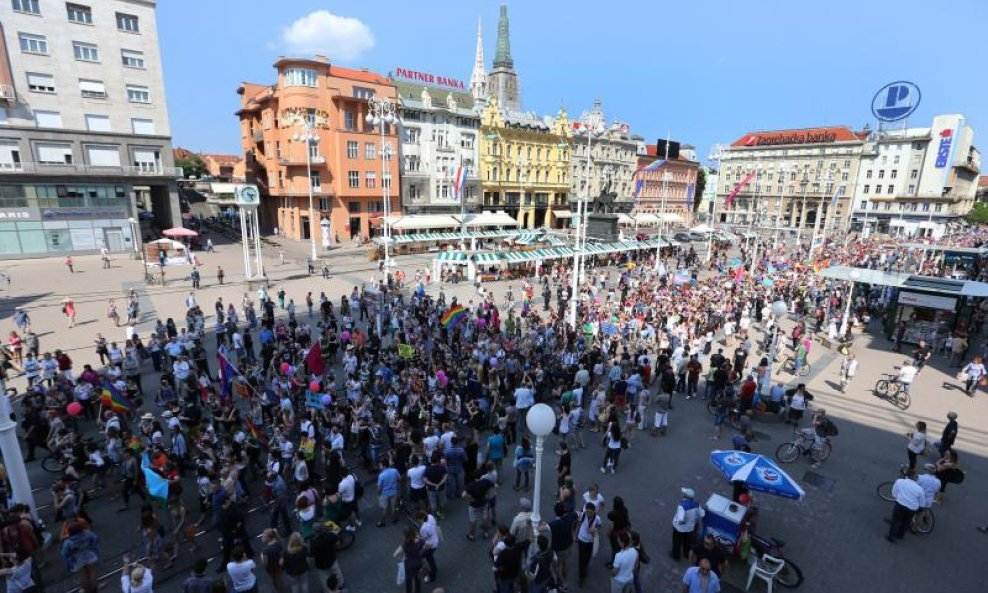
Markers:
733,415
791,576
923,519
892,391
807,442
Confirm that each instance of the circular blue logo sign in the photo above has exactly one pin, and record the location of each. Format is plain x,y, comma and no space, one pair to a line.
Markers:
895,101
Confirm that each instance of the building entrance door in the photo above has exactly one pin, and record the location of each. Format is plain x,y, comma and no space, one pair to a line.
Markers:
354,226
113,237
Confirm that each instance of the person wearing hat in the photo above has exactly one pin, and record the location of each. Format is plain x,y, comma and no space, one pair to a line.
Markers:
684,523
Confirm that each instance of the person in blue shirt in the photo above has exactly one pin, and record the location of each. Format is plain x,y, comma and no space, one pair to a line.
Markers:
387,491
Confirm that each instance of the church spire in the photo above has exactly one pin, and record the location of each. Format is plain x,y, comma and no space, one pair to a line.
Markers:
503,56
478,80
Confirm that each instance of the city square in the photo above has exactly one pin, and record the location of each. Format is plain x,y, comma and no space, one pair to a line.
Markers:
410,334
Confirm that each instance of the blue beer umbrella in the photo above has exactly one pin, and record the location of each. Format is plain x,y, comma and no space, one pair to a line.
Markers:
758,473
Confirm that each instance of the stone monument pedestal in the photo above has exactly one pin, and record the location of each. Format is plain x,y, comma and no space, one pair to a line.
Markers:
602,227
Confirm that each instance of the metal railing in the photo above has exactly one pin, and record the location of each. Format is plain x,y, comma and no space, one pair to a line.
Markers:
64,169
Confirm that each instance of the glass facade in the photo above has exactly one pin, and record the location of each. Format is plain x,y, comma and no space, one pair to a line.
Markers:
60,219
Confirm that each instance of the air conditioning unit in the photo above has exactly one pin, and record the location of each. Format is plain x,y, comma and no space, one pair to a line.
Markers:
8,93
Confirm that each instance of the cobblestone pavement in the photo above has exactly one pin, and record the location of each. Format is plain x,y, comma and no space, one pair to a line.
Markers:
835,534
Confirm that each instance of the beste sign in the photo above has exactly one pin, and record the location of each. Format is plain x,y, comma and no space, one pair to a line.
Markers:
429,78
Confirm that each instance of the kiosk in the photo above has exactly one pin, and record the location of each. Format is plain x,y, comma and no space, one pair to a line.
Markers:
723,519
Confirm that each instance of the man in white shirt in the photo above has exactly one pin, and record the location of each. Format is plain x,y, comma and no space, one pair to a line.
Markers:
623,570
688,514
909,497
907,373
348,493
930,484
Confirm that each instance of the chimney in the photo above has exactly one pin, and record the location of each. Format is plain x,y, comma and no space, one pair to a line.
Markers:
322,59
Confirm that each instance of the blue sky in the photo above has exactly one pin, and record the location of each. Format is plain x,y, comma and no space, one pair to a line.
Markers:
705,71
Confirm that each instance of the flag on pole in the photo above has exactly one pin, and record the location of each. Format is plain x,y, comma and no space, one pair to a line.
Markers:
744,182
313,360
227,373
837,196
459,182
690,190
639,176
256,432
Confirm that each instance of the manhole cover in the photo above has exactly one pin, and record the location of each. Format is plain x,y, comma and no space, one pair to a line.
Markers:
821,482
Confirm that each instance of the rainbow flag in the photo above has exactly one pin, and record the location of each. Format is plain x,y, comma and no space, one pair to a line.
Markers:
452,316
114,400
256,432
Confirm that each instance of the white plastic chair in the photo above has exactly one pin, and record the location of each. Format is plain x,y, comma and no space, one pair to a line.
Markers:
766,569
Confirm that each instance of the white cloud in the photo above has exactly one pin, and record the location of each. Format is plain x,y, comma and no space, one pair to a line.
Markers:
320,31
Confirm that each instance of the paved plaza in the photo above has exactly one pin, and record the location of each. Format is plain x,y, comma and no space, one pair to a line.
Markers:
836,534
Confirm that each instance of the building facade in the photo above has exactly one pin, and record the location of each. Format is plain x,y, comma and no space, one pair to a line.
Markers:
440,133
916,181
796,175
668,191
85,147
613,159
525,165
344,168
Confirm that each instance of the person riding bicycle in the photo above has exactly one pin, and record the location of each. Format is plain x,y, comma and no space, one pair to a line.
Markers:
906,375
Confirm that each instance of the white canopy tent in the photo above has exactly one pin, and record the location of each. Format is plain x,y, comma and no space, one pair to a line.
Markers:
499,218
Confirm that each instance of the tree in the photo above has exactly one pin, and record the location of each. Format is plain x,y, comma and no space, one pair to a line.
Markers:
193,166
978,214
701,184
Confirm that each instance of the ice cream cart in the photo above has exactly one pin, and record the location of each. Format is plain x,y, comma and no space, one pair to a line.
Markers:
723,520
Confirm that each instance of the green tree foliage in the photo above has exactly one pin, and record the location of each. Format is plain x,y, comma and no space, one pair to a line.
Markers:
978,214
701,184
192,166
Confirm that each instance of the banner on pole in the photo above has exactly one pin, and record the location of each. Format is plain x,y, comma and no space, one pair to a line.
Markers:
406,351
313,400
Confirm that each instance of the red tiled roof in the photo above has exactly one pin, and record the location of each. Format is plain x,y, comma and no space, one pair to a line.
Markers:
361,75
181,153
803,136
223,158
983,181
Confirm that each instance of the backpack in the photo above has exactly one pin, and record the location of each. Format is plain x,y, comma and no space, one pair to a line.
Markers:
827,428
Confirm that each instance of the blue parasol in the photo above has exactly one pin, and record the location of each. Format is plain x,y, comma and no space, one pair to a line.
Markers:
758,473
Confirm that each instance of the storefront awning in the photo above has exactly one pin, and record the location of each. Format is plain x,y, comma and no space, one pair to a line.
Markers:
490,219
625,219
562,213
646,218
487,258
425,221
453,256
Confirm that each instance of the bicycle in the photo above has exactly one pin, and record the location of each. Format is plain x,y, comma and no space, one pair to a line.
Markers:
806,443
789,363
733,414
923,519
892,391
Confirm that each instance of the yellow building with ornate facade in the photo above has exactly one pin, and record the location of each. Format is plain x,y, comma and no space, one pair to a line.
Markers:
525,165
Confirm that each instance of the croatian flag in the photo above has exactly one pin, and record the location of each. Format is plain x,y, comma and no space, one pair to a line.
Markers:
459,182
837,196
227,373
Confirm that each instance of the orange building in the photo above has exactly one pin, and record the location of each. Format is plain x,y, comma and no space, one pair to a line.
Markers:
675,181
346,173
224,167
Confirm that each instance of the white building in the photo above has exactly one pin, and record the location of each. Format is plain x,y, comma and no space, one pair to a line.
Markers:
613,159
84,136
915,181
440,134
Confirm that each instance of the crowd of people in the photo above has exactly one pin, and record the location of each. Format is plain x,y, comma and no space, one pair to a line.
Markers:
421,399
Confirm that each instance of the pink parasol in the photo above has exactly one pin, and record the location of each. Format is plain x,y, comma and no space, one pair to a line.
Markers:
179,232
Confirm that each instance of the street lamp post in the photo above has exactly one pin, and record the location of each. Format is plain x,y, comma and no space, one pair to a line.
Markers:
133,237
12,456
310,138
847,306
540,420
380,112
590,126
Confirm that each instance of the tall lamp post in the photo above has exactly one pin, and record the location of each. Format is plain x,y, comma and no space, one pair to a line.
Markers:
310,138
14,459
591,125
380,112
138,251
540,420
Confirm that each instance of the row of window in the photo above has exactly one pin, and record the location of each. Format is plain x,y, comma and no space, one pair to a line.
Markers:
79,13
914,174
96,155
494,175
906,207
890,189
40,82
353,149
494,149
83,52
94,122
370,180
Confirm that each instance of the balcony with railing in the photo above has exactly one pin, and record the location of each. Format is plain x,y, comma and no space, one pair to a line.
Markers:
146,170
290,161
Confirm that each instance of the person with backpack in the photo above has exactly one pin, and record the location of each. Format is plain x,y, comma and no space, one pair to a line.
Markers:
824,428
524,459
539,570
